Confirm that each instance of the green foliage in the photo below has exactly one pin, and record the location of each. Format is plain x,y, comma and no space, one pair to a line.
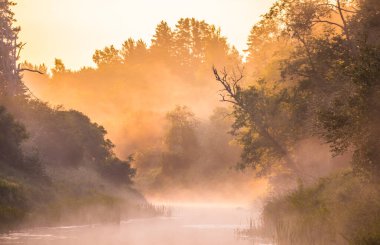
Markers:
53,161
180,135
13,206
181,142
341,209
12,134
12,157
63,150
81,143
329,85
118,171
194,153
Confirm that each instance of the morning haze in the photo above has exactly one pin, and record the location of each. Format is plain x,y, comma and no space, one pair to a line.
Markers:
190,122
51,23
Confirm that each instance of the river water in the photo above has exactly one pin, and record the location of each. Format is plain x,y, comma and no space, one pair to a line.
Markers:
202,225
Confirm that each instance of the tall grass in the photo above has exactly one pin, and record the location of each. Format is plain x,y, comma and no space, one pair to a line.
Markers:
342,209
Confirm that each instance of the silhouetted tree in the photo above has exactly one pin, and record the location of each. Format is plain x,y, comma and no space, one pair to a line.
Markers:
162,42
107,56
9,51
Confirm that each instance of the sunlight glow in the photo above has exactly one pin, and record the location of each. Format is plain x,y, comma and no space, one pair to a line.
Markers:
73,29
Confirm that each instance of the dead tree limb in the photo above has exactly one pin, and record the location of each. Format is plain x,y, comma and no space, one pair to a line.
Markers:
31,70
232,94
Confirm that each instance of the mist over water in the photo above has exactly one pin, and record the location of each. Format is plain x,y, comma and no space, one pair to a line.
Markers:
159,104
186,140
189,224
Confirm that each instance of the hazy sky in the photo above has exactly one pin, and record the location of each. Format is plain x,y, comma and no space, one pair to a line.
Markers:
73,29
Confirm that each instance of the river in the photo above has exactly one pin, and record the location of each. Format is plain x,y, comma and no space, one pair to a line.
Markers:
188,225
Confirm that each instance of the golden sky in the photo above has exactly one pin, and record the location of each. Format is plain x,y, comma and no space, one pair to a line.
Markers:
73,29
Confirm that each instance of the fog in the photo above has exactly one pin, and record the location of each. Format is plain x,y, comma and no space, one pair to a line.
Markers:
189,224
170,117
130,94
188,141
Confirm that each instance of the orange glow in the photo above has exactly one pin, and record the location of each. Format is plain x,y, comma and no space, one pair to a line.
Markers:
72,30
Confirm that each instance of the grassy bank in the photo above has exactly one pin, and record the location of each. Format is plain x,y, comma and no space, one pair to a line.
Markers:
340,209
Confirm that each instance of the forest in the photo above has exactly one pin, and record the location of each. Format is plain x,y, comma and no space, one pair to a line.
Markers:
290,125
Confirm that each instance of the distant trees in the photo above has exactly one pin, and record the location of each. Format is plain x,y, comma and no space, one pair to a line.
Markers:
132,51
193,153
190,44
42,68
181,142
162,42
59,67
107,56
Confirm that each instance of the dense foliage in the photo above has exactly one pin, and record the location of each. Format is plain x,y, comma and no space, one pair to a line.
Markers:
324,84
52,160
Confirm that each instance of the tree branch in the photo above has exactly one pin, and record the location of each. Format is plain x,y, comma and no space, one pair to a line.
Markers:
328,22
31,70
337,7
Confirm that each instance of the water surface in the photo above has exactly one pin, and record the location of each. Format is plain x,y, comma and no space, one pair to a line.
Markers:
187,226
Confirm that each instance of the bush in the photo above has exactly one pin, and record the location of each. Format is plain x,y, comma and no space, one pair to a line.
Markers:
13,206
342,209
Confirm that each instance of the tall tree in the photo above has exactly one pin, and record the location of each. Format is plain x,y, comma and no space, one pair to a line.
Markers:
9,51
329,85
133,51
162,42
183,42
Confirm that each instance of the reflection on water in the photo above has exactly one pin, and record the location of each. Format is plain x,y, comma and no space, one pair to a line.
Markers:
202,225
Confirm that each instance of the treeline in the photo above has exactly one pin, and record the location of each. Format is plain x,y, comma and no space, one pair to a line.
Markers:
138,84
189,46
310,88
314,71
56,165
133,88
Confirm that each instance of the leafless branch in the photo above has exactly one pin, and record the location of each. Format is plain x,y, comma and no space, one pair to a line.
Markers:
19,50
223,99
230,84
31,70
337,7
328,22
